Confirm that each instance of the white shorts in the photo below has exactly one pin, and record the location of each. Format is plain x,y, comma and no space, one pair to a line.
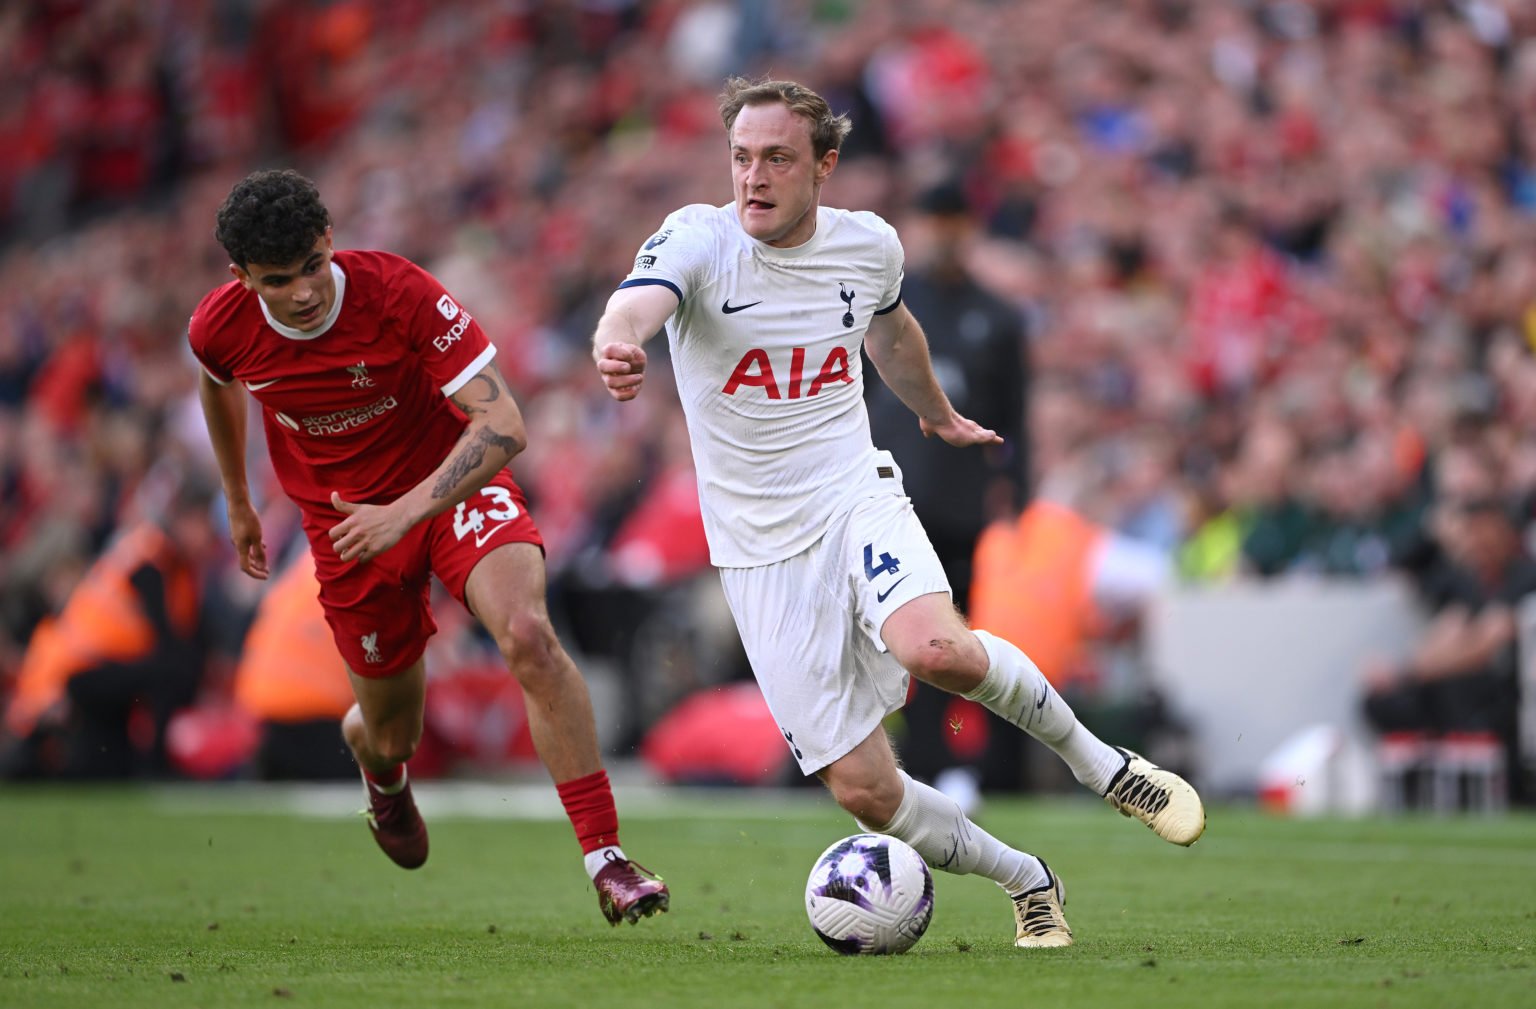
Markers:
811,624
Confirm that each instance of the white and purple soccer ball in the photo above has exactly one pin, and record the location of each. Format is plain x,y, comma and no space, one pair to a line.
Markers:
869,894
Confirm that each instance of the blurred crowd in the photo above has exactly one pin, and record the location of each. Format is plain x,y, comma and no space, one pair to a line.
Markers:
1272,259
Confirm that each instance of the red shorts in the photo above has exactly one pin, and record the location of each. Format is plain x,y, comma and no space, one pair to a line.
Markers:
378,610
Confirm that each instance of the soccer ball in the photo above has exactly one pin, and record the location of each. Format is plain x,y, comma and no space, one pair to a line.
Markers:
869,894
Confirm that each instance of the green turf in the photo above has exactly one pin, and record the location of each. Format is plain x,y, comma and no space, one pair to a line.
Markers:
150,898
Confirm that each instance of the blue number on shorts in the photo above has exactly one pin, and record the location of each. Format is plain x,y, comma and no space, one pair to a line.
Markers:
887,563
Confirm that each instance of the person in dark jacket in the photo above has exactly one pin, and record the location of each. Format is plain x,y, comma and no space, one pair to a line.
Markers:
977,344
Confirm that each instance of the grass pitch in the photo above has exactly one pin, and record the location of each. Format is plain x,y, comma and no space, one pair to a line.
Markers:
247,897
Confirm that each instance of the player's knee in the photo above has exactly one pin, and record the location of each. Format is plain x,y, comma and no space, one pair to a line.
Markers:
945,664
530,648
395,745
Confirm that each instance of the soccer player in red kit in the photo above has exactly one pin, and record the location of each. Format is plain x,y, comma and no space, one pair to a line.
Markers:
391,429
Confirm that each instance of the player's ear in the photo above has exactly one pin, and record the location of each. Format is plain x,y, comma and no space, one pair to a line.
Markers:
327,236
824,167
239,273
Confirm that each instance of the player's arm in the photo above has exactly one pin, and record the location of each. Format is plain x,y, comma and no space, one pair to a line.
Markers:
899,350
1458,642
633,315
224,413
494,435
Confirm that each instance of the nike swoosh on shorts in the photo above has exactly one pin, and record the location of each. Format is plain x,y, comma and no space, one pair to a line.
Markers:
480,540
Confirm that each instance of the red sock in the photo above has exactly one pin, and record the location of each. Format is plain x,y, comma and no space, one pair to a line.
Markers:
389,779
589,803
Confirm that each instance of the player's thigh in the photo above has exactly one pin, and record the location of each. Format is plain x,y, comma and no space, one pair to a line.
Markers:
397,700
506,591
378,611
869,766
490,556
826,684
931,641
894,570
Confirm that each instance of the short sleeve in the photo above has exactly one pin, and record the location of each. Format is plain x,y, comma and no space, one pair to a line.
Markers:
676,257
197,338
895,271
452,346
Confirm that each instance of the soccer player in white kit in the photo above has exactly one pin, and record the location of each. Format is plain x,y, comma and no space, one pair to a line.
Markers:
835,589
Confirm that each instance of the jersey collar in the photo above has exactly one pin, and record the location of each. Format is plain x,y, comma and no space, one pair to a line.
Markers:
805,248
330,317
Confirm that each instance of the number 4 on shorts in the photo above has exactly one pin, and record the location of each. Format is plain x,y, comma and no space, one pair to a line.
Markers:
887,563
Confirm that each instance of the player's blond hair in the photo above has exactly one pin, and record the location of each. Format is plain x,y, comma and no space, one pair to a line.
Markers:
828,131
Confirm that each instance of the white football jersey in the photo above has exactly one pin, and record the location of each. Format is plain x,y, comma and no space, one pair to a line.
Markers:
765,344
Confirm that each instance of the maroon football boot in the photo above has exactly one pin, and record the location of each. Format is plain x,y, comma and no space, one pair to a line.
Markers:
629,892
397,826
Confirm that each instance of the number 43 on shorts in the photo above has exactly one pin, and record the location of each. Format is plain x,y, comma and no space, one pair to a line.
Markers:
468,520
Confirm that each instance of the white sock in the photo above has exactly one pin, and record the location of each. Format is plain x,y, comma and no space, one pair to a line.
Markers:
1015,689
596,860
932,823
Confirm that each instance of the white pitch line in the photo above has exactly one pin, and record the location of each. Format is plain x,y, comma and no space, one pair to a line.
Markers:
493,801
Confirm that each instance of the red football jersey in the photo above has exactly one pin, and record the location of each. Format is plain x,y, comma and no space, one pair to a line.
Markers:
361,405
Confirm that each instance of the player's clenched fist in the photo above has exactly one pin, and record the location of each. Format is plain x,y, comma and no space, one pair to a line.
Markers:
622,366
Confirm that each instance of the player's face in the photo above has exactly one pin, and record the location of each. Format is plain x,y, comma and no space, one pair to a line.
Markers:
298,294
776,176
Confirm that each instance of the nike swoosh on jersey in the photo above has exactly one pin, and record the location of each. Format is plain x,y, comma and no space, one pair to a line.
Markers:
258,386
730,309
480,540
880,596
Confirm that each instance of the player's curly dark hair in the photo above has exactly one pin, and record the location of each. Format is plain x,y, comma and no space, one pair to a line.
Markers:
271,217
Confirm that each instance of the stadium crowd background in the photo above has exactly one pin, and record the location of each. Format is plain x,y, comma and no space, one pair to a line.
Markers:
1273,257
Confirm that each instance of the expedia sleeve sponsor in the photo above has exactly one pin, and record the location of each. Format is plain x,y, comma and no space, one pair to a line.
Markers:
440,331
455,332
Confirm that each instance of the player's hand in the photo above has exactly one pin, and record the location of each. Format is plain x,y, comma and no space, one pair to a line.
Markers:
367,531
245,534
960,431
622,366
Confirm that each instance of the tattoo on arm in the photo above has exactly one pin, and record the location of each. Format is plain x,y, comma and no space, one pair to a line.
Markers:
469,456
472,403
